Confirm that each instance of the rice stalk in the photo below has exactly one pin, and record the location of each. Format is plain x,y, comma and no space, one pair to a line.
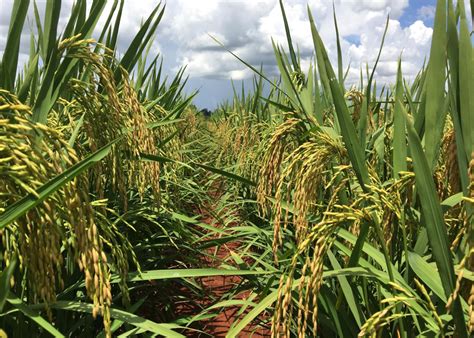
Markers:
65,219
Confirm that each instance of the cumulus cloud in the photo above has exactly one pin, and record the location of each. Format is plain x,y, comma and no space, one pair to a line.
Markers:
247,27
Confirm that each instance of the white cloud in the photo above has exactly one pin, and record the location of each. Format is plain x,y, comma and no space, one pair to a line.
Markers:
420,33
246,27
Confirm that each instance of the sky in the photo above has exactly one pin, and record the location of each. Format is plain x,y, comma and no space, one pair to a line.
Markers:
247,26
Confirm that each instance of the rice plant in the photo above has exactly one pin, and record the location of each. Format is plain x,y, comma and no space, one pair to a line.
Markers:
363,198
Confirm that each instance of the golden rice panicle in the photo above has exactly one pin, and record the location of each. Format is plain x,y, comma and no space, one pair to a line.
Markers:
141,140
298,78
250,157
269,173
173,148
119,113
314,248
320,235
377,321
246,141
389,202
450,174
26,164
283,313
315,279
457,289
451,163
91,257
304,173
103,117
32,154
357,97
429,302
223,134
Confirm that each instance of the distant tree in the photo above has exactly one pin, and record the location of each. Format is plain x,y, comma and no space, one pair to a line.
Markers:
206,112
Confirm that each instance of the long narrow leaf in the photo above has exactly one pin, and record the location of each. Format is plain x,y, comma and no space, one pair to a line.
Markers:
434,222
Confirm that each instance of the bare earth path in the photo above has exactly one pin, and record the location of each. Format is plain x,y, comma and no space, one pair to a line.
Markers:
217,286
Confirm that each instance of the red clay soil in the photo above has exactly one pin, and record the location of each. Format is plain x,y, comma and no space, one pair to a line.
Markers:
217,286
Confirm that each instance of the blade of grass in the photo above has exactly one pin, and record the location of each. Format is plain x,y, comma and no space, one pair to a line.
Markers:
434,222
254,313
5,278
347,290
127,317
294,60
184,273
339,50
466,83
33,315
354,149
435,83
362,125
399,128
9,62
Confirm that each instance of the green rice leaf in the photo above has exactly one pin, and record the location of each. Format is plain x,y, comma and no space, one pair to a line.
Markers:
434,222
33,315
5,277
349,136
399,128
124,316
435,83
264,304
11,50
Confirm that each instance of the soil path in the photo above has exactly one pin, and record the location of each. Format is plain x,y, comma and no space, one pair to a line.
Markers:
217,286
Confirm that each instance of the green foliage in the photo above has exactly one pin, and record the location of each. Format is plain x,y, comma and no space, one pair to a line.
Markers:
384,191
352,207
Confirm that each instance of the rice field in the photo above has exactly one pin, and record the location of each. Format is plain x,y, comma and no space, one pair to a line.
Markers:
303,207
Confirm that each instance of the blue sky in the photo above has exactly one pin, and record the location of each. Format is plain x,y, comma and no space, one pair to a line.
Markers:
247,26
419,9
